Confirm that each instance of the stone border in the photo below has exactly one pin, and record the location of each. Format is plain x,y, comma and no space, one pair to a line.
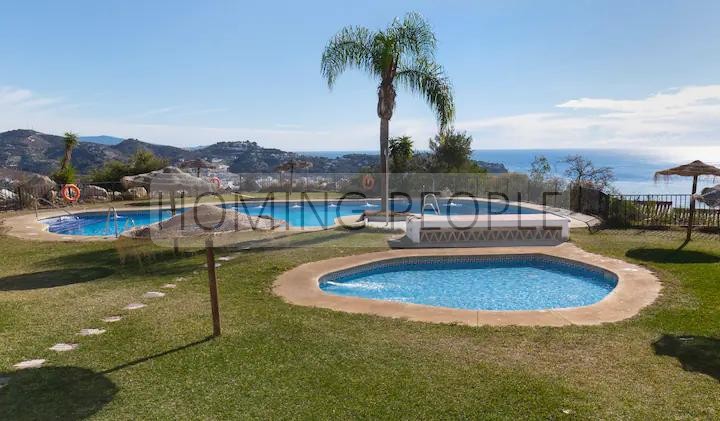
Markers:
636,288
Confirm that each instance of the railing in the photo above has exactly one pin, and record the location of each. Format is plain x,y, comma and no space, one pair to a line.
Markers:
659,210
112,212
51,204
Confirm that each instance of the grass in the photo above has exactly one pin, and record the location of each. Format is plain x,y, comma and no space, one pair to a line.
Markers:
276,360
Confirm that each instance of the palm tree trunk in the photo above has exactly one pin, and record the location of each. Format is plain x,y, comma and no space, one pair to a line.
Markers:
66,158
384,136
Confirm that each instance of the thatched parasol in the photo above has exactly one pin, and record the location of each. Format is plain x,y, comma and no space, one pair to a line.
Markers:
208,226
695,170
168,180
710,196
197,164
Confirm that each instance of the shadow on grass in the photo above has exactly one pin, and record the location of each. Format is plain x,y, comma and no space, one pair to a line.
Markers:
658,255
158,355
696,353
53,278
68,393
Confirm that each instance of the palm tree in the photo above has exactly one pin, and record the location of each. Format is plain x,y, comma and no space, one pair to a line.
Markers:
71,140
404,52
291,165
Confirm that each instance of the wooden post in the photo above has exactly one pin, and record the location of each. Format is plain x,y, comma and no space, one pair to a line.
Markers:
692,209
212,283
176,246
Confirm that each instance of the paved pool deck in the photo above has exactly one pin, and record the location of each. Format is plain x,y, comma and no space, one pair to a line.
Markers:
637,288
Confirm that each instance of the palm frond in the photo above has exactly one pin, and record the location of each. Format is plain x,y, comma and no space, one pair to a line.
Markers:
351,47
428,79
413,36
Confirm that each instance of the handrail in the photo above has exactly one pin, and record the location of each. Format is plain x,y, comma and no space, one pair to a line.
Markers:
51,204
107,221
433,205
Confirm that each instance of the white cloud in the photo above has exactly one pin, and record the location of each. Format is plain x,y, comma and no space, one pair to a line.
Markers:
688,116
684,116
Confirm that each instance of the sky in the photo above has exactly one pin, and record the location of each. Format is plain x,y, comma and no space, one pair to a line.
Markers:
525,74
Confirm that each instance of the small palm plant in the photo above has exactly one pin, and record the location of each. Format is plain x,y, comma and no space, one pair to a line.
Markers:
402,53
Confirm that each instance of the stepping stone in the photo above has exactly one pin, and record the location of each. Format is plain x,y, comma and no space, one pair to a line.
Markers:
134,306
29,364
62,347
225,258
4,381
179,279
217,265
91,332
112,319
153,294
170,286
196,272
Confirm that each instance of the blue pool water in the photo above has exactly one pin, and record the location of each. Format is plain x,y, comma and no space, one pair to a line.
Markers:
476,282
297,214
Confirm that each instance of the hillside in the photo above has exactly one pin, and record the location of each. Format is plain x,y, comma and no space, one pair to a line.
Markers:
28,150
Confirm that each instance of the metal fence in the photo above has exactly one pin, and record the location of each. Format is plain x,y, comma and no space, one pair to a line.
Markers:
659,211
23,197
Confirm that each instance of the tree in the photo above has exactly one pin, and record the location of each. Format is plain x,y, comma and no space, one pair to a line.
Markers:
402,53
142,161
66,173
452,152
539,169
291,166
401,154
583,173
71,140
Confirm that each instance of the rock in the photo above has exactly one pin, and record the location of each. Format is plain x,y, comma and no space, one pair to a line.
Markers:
134,306
63,347
153,294
112,319
138,193
38,185
91,332
29,364
95,192
6,194
170,286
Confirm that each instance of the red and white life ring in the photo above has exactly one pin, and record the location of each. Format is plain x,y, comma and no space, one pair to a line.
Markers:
70,192
216,182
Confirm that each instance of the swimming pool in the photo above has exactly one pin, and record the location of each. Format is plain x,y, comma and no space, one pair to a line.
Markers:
504,282
300,214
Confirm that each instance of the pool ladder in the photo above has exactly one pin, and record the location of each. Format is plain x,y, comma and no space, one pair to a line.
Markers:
112,213
428,204
51,204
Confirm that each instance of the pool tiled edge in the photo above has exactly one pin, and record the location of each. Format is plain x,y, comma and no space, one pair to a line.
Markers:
636,288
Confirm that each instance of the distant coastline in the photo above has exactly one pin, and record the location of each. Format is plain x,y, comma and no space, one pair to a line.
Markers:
634,169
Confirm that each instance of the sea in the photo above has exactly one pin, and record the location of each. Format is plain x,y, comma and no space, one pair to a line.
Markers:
634,169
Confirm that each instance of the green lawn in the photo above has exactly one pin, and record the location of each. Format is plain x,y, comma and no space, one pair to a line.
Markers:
276,360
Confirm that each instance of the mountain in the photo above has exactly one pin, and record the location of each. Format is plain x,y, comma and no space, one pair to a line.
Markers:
33,151
103,140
